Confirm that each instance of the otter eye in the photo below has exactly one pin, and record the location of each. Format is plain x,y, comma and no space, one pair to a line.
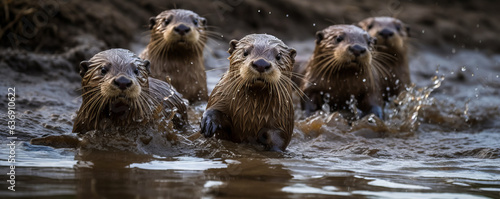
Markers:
166,22
136,71
278,56
370,26
245,53
104,71
398,27
195,21
339,39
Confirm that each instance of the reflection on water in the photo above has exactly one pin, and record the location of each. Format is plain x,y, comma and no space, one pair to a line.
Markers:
439,140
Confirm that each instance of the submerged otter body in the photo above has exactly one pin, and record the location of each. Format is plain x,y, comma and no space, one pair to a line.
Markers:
252,102
392,36
341,72
118,92
175,50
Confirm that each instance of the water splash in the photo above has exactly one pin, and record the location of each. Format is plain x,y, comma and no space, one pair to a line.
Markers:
404,112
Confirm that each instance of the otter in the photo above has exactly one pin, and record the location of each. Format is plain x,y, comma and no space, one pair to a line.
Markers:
252,102
118,92
342,71
392,35
175,50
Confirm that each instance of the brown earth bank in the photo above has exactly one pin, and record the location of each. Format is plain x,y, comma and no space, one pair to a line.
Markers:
54,26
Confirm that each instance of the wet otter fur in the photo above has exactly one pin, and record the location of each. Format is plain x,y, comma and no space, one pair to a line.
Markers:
118,92
342,72
252,102
392,42
175,50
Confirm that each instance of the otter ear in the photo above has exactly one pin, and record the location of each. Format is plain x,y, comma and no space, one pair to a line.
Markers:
319,36
232,46
152,22
147,65
364,23
203,21
292,52
84,67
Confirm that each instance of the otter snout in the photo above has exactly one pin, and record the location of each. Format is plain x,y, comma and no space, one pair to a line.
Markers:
386,33
261,65
357,50
182,29
122,82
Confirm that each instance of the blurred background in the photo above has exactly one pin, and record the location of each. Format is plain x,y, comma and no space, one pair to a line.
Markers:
56,26
453,151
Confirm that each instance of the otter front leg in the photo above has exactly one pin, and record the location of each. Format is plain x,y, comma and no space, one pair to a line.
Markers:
273,139
215,122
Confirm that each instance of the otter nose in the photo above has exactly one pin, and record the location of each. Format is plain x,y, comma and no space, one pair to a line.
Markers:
261,65
122,82
386,33
357,50
182,29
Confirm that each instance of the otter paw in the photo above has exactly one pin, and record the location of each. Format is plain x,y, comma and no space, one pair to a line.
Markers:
272,140
211,122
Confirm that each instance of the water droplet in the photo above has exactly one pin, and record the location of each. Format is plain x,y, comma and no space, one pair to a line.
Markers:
191,63
497,76
139,119
258,10
472,74
314,84
387,88
397,81
165,98
454,36
221,35
314,24
330,88
453,50
463,69
269,12
371,119
364,80
286,15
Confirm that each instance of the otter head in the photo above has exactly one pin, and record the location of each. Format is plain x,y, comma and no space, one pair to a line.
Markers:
115,80
178,27
390,32
343,46
260,59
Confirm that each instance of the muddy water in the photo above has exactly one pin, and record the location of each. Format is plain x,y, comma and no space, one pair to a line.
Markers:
441,140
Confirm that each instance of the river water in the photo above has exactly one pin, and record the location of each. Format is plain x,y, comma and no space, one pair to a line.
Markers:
442,140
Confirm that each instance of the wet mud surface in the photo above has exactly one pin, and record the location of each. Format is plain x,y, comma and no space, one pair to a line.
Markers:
442,140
